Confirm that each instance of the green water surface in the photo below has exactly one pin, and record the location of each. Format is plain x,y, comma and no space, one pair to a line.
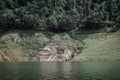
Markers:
60,71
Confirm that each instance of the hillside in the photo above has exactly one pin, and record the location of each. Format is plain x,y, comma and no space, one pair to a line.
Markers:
99,46
38,46
32,45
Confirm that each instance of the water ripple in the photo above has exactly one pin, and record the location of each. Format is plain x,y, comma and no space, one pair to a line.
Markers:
60,71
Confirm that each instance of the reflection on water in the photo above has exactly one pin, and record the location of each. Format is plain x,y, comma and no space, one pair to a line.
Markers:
60,71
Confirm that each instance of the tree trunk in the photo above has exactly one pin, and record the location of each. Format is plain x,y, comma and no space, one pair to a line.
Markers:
54,7
85,8
75,4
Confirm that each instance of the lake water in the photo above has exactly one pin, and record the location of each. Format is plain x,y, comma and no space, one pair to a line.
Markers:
60,71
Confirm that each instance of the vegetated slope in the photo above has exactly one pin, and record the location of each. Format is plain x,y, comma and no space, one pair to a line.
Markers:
99,46
18,45
24,45
10,49
38,46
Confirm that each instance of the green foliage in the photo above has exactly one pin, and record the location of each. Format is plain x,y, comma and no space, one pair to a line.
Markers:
52,22
62,15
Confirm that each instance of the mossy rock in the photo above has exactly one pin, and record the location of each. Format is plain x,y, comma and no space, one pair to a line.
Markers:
56,38
65,39
41,39
9,36
7,39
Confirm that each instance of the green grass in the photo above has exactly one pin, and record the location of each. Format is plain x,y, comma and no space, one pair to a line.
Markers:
102,46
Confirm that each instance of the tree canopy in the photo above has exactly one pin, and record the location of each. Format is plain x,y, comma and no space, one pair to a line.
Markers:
60,15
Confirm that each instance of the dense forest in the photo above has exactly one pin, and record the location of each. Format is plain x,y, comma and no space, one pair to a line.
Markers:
60,15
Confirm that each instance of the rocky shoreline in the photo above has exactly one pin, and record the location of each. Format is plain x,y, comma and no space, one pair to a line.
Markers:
24,46
39,47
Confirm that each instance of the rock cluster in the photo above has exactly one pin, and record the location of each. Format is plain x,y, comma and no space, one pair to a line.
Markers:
60,48
39,46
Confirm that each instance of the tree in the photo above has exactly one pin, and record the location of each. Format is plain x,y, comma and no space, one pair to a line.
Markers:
63,15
